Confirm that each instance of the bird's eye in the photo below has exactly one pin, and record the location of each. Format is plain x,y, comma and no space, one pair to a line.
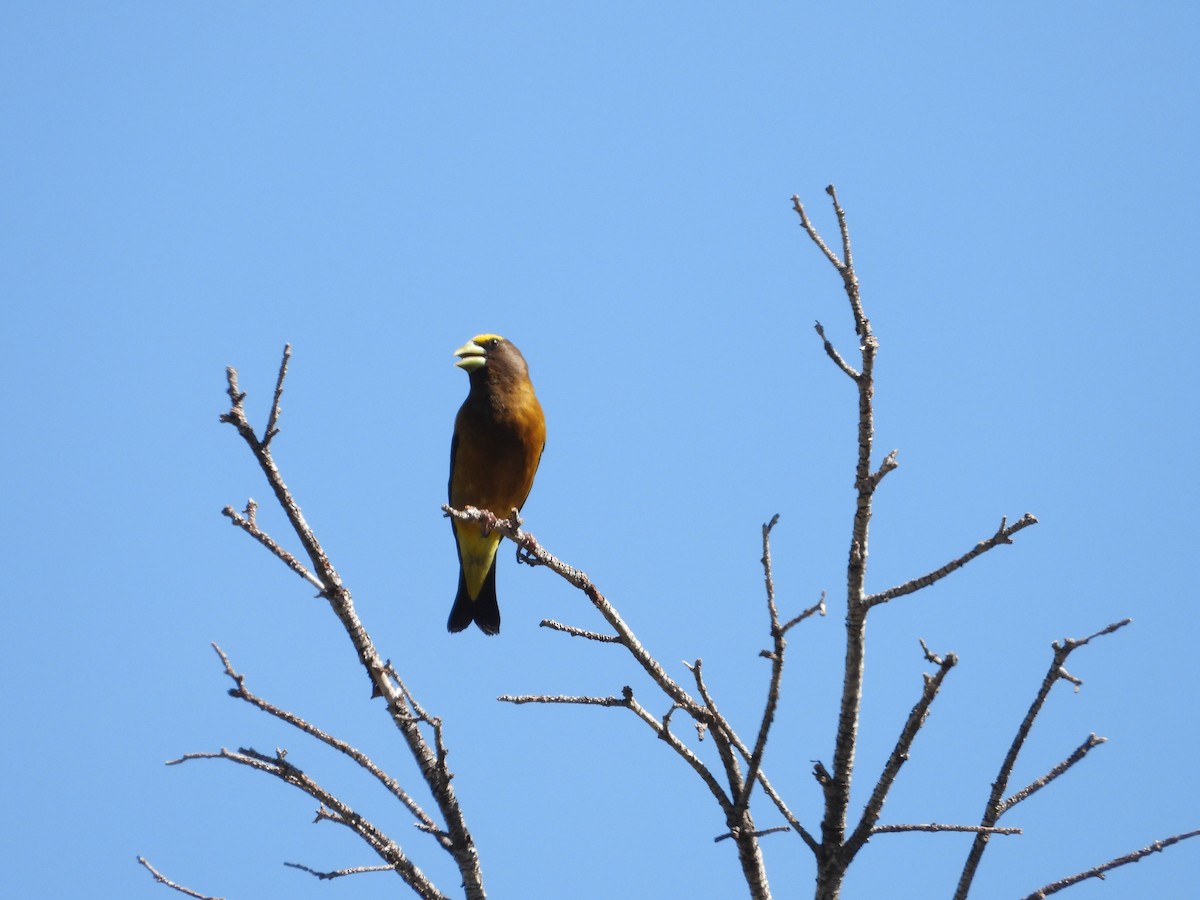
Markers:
492,344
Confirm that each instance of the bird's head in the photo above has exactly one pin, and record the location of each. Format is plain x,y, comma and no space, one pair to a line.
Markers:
474,353
495,365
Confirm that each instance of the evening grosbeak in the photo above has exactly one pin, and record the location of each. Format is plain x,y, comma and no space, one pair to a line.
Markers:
498,439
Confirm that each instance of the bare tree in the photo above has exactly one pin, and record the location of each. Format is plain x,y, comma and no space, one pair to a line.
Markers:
740,779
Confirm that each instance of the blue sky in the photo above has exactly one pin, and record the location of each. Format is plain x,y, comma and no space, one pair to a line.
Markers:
189,186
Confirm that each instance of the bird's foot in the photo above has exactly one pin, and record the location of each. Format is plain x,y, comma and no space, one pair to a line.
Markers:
527,551
487,522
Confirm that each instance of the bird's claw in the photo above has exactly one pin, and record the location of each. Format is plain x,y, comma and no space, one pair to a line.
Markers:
487,523
527,551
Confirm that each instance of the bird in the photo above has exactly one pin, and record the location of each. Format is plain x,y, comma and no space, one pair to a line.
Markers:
499,435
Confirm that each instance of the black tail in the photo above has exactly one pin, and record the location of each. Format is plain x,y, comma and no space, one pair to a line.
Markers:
484,611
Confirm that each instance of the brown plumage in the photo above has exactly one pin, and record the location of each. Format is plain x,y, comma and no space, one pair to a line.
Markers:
498,439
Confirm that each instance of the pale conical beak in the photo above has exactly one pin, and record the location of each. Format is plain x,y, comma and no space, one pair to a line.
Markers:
471,356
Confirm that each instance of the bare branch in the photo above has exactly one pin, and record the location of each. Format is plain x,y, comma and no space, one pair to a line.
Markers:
737,817
832,353
237,414
241,692
580,580
247,524
323,568
697,670
273,419
331,808
536,554
812,232
421,716
340,873
1033,787
1070,644
519,699
995,807
662,729
930,656
768,575
579,632
724,736
742,801
845,265
1099,871
679,697
935,827
787,814
900,753
776,830
889,464
431,761
842,226
831,862
162,879
1003,535
738,814
815,609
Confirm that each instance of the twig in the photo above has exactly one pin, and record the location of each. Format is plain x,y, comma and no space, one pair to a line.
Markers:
995,806
162,879
812,232
661,728
735,803
519,699
663,731
332,809
817,608
776,657
1099,871
421,716
900,754
762,832
845,265
248,525
1033,787
241,692
843,227
713,716
832,353
768,575
273,419
340,873
889,464
936,827
579,632
580,580
1003,535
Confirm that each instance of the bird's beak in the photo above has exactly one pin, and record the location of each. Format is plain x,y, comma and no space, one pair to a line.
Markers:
471,356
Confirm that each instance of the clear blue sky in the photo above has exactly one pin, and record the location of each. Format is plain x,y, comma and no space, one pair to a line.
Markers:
191,185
